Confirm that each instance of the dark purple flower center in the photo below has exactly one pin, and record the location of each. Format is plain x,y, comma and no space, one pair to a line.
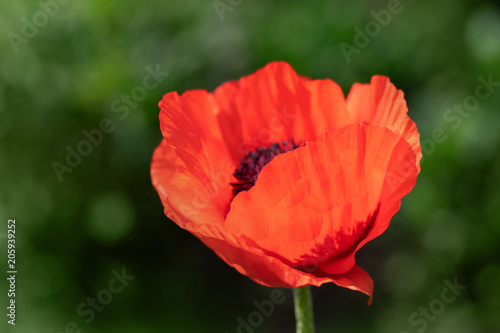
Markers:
251,165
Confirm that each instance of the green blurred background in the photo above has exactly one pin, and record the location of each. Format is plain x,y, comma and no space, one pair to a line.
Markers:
105,215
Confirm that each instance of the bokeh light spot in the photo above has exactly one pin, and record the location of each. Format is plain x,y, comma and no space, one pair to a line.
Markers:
109,217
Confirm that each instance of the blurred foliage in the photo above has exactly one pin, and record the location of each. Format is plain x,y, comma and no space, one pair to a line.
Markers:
105,215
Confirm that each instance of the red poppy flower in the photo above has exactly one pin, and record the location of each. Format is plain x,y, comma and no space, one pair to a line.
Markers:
317,175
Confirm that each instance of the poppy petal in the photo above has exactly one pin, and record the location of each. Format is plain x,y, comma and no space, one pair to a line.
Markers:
229,118
356,279
247,259
191,168
327,105
380,103
329,188
274,104
272,272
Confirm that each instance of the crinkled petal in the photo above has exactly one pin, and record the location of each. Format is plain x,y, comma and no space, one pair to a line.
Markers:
380,103
323,200
191,168
275,104
327,105
270,271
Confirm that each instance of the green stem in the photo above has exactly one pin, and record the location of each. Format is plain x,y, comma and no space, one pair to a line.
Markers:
304,317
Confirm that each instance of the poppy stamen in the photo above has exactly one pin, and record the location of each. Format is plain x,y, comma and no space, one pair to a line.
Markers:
253,162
